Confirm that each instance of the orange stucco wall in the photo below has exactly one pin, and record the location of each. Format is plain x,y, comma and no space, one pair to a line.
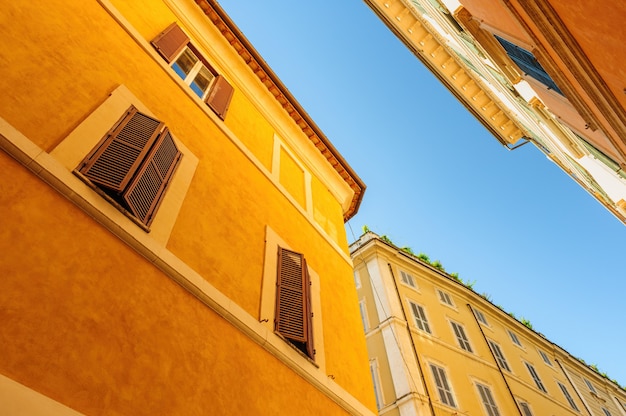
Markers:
599,30
88,321
497,16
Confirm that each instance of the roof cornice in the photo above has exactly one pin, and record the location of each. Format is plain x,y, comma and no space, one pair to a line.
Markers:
261,69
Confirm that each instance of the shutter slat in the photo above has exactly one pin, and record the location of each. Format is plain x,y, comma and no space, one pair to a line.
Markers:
219,97
170,42
291,309
145,192
117,157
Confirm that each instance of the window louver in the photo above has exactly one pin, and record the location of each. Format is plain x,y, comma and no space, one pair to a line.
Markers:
293,308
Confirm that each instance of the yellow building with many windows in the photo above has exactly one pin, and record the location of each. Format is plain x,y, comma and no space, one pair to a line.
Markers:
172,222
438,348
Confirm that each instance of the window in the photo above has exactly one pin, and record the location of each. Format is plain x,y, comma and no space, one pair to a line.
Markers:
461,337
133,164
497,352
535,376
293,319
545,358
525,408
481,317
357,280
363,310
189,67
445,298
174,46
407,279
487,399
420,317
377,386
606,412
515,339
443,388
527,62
567,396
590,386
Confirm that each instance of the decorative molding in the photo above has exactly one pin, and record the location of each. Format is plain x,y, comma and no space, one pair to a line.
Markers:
260,68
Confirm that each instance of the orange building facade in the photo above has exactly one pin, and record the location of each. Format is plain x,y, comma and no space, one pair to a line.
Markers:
172,222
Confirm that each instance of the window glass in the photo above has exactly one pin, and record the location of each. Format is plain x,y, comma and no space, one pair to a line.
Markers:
461,337
185,62
420,317
443,388
567,396
201,82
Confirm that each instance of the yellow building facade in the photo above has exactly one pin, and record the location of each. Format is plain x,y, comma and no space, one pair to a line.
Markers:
172,222
438,348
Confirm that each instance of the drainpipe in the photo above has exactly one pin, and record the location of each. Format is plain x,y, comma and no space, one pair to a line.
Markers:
495,360
408,328
573,386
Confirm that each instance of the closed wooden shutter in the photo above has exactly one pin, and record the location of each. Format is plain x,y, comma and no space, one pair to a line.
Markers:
219,96
170,42
145,192
293,307
117,157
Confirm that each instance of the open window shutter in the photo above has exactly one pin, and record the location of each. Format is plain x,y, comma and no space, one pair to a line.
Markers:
117,157
170,42
147,188
291,300
219,96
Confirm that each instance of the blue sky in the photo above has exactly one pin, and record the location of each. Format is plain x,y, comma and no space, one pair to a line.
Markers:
438,182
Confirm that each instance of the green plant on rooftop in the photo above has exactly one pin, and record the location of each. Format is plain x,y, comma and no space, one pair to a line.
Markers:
386,239
526,323
437,265
408,250
366,229
424,257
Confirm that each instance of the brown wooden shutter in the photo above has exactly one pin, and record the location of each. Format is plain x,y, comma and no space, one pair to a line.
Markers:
293,316
170,42
114,161
145,192
219,96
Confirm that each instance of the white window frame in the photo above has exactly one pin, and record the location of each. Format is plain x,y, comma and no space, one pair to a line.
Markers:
481,317
445,298
514,338
194,71
500,358
535,376
544,357
525,408
364,318
407,279
461,336
444,390
486,397
590,386
421,321
378,392
357,280
568,396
